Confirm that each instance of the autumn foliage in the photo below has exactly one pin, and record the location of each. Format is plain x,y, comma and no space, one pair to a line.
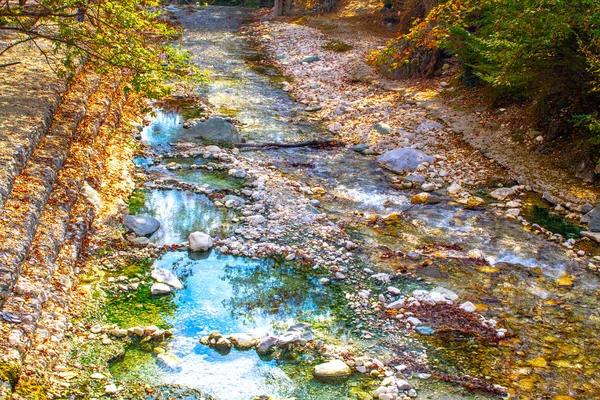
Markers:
546,51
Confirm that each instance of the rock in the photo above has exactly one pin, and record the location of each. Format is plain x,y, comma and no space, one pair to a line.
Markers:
235,200
592,235
414,178
163,275
118,332
428,187
92,196
551,198
266,345
96,329
304,330
513,212
310,59
593,218
139,241
215,129
382,128
288,338
394,290
97,376
502,193
136,331
454,189
403,159
360,148
425,198
396,305
430,126
448,294
159,289
468,307
200,241
332,369
243,342
223,345
111,389
142,225
173,166
239,173
402,384
474,202
256,220
414,321
169,360
424,330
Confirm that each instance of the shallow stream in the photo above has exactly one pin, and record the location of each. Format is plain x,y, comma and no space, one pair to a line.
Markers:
529,285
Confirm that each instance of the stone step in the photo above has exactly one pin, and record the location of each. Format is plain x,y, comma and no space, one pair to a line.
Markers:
28,116
33,187
47,275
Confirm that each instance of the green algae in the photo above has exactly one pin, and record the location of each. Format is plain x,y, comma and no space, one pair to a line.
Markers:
138,308
137,199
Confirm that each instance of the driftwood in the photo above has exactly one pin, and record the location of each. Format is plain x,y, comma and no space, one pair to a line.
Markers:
309,143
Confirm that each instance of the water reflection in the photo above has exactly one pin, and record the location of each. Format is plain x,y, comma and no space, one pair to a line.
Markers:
181,213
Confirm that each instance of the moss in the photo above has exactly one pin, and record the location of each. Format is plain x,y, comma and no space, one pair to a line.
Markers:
138,308
9,372
137,201
338,46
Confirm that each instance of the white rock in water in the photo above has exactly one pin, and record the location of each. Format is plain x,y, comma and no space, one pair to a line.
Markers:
200,241
332,369
163,275
159,289
468,306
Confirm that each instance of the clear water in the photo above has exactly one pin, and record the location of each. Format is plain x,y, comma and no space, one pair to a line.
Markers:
238,295
181,213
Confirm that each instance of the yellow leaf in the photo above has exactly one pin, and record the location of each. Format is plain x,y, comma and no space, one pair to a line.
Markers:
565,281
539,362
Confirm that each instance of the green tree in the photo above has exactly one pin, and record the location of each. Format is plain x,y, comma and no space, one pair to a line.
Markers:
130,35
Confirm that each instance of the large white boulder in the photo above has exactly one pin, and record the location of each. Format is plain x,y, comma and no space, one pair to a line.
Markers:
200,241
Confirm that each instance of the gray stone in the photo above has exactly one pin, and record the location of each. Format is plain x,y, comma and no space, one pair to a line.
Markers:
239,173
424,330
332,369
551,198
266,345
163,275
468,307
142,225
403,159
310,59
414,178
236,200
402,384
216,129
360,148
594,219
243,342
382,128
592,235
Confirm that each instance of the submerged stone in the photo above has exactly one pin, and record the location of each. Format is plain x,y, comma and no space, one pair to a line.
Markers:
142,225
216,129
403,159
424,330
